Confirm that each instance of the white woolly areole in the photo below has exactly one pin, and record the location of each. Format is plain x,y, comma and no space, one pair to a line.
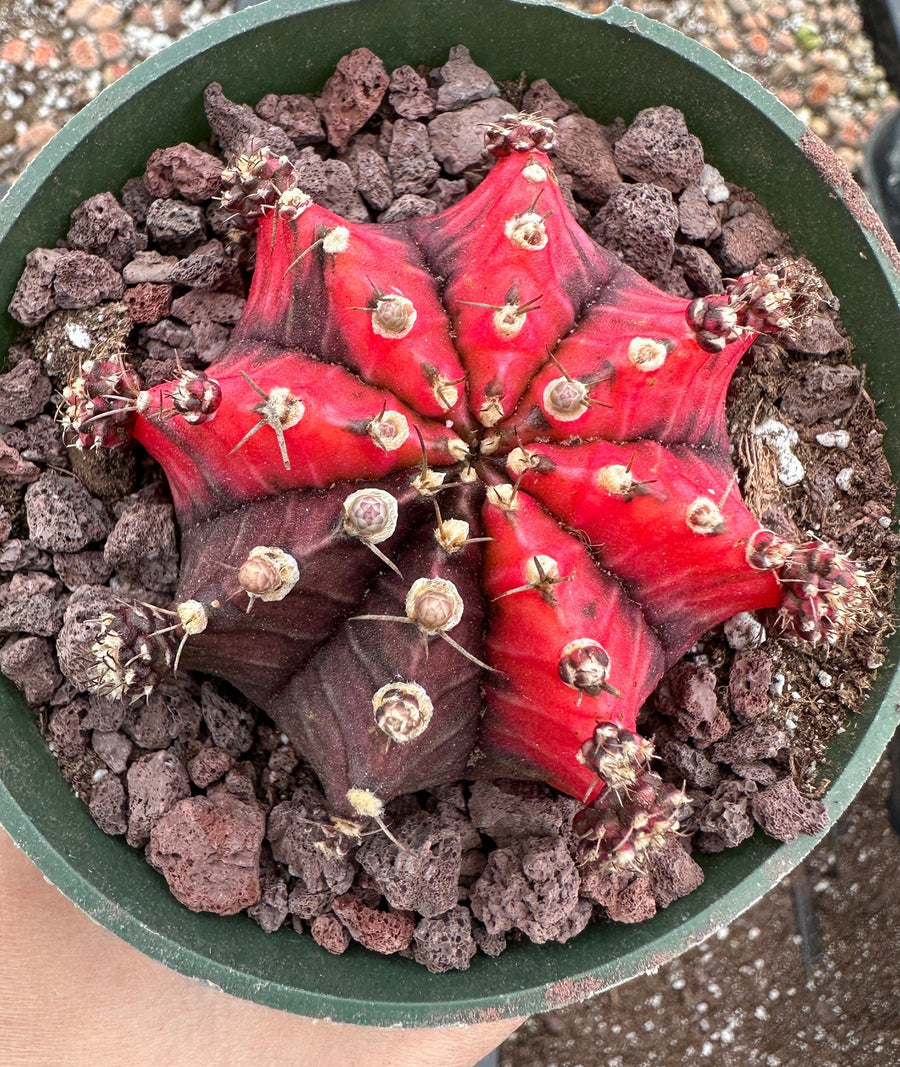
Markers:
565,399
646,354
402,710
615,478
365,803
534,173
336,240
393,316
193,616
434,605
269,573
527,231
370,515
389,430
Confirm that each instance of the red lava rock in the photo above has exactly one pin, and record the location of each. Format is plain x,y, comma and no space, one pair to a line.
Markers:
109,805
12,466
114,748
88,567
409,206
341,194
461,81
372,176
409,94
54,278
673,872
136,198
68,736
457,137
541,98
757,771
759,740
33,299
175,227
413,168
204,268
318,858
62,515
507,810
421,875
183,169
445,942
687,694
386,932
78,633
144,544
154,721
352,95
209,765
724,821
31,603
627,895
239,129
156,783
297,115
18,554
746,239
104,715
748,681
531,885
23,391
271,910
658,148
700,270
204,305
208,849
83,280
329,932
638,223
30,664
150,267
784,813
688,762
39,441
102,227
148,303
698,219
816,335
490,944
228,718
585,151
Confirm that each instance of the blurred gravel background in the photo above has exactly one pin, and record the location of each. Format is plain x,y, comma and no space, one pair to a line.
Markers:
810,975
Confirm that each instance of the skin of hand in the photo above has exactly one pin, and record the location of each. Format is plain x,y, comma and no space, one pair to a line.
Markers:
72,994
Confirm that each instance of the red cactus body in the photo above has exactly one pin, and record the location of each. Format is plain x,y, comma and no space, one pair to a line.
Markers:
458,491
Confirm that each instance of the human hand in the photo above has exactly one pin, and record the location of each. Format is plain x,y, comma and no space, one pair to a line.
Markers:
72,995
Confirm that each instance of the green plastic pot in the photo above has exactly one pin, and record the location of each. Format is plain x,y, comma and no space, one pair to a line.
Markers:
611,65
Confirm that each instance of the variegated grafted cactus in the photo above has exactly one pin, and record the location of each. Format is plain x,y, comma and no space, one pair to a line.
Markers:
457,494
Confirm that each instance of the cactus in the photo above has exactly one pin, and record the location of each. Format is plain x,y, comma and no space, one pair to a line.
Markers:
457,494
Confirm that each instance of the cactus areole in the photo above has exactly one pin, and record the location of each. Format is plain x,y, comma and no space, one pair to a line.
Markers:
457,493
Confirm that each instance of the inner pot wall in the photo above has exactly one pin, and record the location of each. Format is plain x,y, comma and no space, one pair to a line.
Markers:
611,65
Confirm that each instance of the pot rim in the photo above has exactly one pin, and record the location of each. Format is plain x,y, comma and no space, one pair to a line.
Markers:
108,880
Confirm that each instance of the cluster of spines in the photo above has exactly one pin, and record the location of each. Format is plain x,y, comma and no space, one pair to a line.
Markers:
637,814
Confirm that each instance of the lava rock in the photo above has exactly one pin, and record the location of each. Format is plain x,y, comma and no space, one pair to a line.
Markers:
104,228
208,849
184,170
